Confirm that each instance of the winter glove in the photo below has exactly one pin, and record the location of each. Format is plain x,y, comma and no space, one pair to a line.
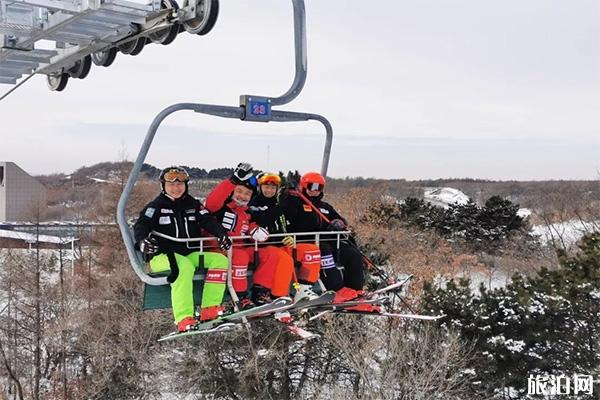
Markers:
149,247
288,241
224,242
241,173
337,225
259,234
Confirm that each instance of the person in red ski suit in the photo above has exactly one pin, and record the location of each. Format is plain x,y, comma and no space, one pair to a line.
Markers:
229,202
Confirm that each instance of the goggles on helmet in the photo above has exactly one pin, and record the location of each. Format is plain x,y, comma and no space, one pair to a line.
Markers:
267,178
176,174
313,186
251,183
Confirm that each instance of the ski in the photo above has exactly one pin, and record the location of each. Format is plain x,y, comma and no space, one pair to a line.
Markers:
224,327
227,322
323,300
330,308
240,315
286,318
391,287
393,315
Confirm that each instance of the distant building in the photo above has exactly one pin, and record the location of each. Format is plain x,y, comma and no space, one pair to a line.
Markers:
20,193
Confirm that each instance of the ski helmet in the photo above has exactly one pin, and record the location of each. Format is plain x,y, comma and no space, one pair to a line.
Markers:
312,181
172,174
250,183
265,178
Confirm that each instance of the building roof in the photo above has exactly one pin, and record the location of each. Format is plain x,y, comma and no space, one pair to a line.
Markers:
32,238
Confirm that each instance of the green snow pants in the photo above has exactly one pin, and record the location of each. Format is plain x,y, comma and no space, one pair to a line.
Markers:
182,295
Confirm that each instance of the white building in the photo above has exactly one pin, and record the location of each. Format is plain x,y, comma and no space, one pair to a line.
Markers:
20,193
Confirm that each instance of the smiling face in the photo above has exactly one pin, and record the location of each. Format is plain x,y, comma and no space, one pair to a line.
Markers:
241,195
175,189
268,190
313,193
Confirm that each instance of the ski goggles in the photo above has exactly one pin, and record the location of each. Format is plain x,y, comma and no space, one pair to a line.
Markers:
315,187
267,179
173,175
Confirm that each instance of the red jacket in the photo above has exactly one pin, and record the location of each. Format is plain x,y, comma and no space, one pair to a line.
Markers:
234,218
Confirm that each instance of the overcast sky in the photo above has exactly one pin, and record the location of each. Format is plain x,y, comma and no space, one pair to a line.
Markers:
413,88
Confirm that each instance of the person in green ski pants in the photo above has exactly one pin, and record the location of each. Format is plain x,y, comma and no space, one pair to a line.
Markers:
177,214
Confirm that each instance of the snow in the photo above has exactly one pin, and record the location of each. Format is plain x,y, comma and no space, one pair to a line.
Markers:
523,212
566,232
100,180
443,197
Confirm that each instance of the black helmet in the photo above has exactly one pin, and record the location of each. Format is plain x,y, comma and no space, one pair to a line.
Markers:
250,183
172,174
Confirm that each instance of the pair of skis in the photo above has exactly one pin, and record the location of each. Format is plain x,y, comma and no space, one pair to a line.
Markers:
283,308
231,321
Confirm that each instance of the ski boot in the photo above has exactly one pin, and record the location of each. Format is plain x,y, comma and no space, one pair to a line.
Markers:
261,295
345,294
244,303
187,324
305,292
210,313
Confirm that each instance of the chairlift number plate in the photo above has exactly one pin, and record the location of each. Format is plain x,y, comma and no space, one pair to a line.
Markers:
257,108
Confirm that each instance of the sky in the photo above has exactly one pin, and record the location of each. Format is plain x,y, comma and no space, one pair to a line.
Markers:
414,89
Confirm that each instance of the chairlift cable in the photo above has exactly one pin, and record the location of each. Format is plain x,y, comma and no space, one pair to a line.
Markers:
17,86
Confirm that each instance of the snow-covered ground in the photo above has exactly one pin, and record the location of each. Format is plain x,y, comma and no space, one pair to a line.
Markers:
567,233
443,197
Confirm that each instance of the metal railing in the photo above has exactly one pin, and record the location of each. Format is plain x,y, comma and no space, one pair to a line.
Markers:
313,237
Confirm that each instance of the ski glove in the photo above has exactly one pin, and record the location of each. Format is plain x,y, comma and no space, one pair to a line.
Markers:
288,241
149,246
224,242
259,234
241,173
337,225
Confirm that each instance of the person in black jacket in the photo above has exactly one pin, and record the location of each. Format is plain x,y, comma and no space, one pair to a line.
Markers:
177,214
303,218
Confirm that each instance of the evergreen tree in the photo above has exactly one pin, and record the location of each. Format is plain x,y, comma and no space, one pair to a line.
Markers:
544,324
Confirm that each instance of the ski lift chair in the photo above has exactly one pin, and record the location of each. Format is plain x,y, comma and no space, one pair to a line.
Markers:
251,108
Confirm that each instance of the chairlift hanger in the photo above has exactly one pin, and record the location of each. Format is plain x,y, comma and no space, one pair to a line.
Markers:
251,108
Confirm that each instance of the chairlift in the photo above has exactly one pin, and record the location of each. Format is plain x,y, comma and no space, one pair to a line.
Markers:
251,108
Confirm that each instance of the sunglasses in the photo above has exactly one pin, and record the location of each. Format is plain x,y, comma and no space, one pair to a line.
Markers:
176,175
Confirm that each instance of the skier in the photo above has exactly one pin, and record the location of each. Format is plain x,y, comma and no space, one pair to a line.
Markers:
303,218
175,213
268,211
229,202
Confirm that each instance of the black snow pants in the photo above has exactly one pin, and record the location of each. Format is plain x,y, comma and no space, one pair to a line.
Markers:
341,268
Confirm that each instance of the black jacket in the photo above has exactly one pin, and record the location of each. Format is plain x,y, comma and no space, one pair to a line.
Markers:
268,213
302,218
181,218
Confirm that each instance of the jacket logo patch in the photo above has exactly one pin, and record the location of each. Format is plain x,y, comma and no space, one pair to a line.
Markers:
150,212
327,262
229,220
164,220
307,208
166,211
324,211
203,212
312,257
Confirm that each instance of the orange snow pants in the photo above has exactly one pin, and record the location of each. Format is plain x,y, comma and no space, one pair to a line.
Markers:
309,257
274,270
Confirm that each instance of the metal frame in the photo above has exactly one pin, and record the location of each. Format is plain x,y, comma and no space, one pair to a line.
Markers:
225,112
